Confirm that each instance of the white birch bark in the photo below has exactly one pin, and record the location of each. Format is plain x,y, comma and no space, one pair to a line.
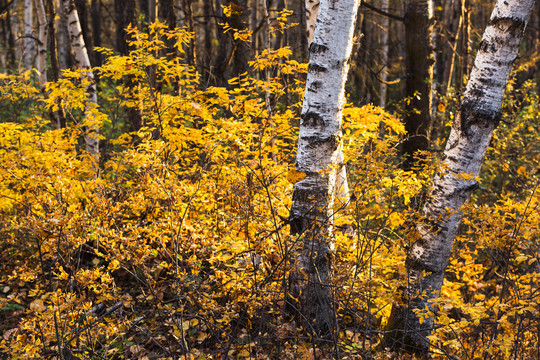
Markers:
471,133
28,43
82,61
42,43
318,156
342,186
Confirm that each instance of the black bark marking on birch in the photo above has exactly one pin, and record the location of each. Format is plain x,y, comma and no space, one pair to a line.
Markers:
316,68
315,48
313,120
307,195
316,85
514,26
465,191
338,64
472,115
487,47
420,265
332,141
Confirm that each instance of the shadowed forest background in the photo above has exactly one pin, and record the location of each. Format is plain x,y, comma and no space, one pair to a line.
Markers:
145,204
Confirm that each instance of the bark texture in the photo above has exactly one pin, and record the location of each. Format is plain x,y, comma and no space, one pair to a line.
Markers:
29,49
385,48
341,189
318,156
469,138
419,67
82,61
42,43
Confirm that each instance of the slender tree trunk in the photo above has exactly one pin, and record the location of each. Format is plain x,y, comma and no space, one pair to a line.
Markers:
188,16
207,59
96,30
167,12
254,25
454,31
302,37
82,61
53,53
29,48
318,156
467,43
42,43
419,67
124,10
384,30
18,44
233,55
64,47
9,37
471,133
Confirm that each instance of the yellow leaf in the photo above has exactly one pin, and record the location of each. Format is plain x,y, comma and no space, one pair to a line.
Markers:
202,336
441,107
294,176
244,353
522,171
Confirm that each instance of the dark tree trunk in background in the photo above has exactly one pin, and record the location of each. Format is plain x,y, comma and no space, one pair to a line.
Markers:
233,55
208,21
453,30
55,69
124,11
419,72
143,9
242,53
302,39
188,22
82,10
96,31
167,12
124,14
8,39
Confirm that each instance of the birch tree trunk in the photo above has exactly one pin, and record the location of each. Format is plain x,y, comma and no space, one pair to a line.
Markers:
42,43
341,190
29,48
471,133
82,61
318,156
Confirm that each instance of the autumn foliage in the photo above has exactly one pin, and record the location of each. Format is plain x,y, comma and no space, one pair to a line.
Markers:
175,242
